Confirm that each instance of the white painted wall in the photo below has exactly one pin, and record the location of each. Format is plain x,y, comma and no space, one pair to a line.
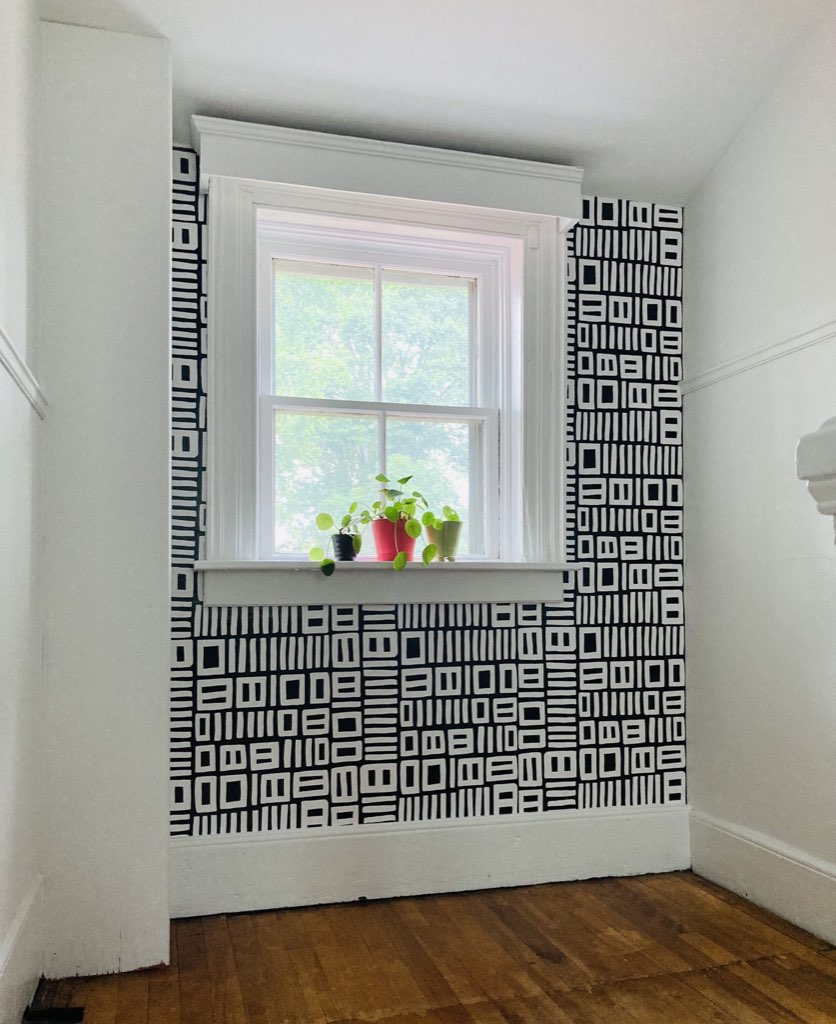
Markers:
20,699
761,564
105,173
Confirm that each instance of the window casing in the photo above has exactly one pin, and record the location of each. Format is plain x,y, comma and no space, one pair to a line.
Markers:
528,365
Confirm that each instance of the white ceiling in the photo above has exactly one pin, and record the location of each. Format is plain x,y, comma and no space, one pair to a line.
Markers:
644,94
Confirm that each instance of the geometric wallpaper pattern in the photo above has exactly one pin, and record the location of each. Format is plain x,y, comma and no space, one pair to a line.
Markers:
299,717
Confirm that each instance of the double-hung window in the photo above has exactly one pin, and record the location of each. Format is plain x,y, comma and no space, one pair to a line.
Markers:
376,308
382,352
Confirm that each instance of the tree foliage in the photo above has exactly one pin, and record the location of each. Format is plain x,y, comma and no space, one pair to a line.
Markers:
325,348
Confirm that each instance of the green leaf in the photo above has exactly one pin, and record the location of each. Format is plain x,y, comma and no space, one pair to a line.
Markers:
399,564
404,479
438,524
382,478
357,541
451,513
346,519
392,494
327,567
352,508
316,554
391,514
324,521
428,519
428,554
413,528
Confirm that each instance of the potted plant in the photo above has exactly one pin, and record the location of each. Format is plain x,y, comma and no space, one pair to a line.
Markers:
443,533
346,541
395,526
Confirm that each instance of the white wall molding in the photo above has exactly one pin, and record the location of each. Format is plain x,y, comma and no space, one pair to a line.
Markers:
239,584
225,874
767,871
238,149
20,373
760,356
104,195
21,955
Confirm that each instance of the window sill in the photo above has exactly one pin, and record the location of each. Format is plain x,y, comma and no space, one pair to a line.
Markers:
368,582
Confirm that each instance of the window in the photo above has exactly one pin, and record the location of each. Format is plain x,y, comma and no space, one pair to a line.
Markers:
362,319
391,352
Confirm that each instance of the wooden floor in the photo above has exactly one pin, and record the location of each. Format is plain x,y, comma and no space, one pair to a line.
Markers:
660,948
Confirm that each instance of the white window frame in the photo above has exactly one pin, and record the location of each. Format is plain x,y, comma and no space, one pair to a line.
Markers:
402,185
495,267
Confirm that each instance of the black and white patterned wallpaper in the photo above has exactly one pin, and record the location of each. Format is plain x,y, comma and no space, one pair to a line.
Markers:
287,718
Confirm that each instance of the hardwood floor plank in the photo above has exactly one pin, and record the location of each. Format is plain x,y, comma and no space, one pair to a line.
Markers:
434,976
790,931
253,979
132,997
98,997
745,936
811,990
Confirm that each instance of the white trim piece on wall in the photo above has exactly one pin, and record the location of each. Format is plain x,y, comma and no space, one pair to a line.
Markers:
773,874
226,874
232,478
238,149
20,373
760,356
21,955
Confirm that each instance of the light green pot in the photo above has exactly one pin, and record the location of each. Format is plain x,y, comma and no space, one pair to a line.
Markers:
446,540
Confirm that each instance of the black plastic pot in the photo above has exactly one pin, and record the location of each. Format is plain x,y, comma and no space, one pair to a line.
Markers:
343,547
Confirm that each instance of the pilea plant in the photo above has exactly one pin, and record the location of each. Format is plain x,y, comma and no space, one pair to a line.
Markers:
443,532
347,526
395,505
406,511
448,515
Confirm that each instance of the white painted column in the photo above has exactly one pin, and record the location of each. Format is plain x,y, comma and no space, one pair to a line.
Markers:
104,359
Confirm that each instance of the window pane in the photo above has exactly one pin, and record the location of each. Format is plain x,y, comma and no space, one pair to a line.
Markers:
324,331
444,458
323,463
426,338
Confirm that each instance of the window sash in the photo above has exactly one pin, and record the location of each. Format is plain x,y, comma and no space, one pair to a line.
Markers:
337,247
484,469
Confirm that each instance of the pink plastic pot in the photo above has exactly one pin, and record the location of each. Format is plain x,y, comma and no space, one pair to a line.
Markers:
391,538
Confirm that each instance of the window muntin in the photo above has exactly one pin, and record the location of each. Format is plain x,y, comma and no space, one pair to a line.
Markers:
374,366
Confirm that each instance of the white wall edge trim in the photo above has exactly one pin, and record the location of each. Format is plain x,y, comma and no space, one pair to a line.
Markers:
242,584
329,142
293,156
767,871
760,356
20,373
773,846
21,955
227,874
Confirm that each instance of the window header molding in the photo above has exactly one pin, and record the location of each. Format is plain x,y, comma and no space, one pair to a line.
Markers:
292,156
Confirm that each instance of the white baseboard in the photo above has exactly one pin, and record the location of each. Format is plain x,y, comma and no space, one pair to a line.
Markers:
21,957
782,878
237,873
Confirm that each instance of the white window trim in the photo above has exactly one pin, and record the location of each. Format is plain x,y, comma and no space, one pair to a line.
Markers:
231,489
495,265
